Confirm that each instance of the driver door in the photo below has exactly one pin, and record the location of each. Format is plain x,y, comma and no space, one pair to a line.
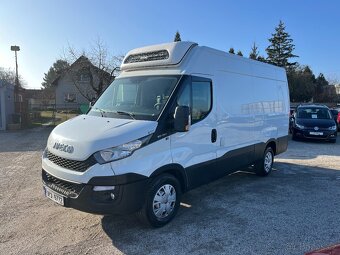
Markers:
196,149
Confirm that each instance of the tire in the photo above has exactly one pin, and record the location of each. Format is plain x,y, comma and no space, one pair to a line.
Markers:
332,141
294,136
264,166
162,201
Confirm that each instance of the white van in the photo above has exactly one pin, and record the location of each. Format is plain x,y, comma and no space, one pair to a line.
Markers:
179,115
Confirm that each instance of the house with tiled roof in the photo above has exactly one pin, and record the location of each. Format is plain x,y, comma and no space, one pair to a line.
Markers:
78,84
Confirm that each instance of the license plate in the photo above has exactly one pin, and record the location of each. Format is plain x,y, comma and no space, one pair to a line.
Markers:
54,196
316,133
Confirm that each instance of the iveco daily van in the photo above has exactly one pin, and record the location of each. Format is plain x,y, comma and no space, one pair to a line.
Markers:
179,115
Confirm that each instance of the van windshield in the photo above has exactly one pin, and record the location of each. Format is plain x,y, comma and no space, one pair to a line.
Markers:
141,97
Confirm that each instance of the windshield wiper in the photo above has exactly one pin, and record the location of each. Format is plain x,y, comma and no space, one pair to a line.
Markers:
126,113
102,112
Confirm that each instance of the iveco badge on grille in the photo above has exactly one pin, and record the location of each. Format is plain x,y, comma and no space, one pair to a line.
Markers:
63,147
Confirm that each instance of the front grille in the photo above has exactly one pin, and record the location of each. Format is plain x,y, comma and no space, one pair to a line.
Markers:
79,166
68,189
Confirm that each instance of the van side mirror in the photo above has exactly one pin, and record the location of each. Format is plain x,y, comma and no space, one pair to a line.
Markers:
92,103
182,120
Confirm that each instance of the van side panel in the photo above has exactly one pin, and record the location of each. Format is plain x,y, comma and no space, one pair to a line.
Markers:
261,88
235,127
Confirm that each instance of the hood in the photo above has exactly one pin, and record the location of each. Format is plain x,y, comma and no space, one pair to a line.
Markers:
84,135
311,123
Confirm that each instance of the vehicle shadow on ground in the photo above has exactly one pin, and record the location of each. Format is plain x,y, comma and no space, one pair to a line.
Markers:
310,149
243,214
34,139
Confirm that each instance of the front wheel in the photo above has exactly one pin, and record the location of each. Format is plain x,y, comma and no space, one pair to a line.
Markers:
264,166
162,201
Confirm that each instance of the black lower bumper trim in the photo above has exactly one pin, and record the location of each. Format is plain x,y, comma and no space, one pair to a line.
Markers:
123,199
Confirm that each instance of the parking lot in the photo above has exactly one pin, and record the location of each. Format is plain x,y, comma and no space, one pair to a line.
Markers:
292,211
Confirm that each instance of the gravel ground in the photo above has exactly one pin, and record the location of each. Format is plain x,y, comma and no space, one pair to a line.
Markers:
292,211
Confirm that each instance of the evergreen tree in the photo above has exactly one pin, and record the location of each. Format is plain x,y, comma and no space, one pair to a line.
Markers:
57,68
231,50
301,81
281,48
261,59
320,87
240,53
254,53
177,37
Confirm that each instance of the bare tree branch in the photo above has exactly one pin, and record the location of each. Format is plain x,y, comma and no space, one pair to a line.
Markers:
97,65
8,75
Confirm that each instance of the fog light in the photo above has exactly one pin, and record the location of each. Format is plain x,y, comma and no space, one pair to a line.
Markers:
103,188
112,196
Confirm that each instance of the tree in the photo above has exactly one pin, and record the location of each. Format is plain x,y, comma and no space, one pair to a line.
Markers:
324,92
177,37
96,65
56,69
240,53
254,53
281,48
231,50
301,81
8,75
261,59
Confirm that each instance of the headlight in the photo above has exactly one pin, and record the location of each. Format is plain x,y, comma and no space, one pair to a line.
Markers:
299,126
44,155
121,151
332,128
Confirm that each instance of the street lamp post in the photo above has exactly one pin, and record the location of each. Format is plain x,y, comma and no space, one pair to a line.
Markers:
18,102
16,49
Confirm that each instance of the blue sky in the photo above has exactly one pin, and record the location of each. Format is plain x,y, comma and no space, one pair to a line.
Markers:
43,29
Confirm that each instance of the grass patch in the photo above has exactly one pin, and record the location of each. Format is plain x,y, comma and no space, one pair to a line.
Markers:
49,118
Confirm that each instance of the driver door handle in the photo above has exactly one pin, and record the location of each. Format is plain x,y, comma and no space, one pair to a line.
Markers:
213,135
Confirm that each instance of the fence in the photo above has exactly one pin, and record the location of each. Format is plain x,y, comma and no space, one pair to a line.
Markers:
52,114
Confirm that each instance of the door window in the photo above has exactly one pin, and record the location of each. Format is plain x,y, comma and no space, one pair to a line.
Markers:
197,95
201,100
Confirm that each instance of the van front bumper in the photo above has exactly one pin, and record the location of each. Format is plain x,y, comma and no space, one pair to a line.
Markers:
128,195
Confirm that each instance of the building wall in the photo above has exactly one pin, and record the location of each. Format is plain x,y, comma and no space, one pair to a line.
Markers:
66,90
6,104
337,89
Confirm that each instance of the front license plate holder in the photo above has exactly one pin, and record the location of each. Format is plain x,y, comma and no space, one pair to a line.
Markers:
316,133
54,196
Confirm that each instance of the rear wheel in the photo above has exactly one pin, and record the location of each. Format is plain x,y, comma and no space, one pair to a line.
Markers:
294,135
162,201
264,166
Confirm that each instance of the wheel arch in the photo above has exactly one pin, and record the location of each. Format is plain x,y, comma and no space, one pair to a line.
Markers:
271,143
177,171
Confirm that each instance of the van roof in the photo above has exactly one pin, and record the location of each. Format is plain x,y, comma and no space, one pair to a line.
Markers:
189,58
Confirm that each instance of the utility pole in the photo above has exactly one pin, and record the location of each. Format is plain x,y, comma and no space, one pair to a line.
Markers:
16,49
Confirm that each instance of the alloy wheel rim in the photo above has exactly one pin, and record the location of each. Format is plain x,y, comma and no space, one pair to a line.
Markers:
164,201
268,161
